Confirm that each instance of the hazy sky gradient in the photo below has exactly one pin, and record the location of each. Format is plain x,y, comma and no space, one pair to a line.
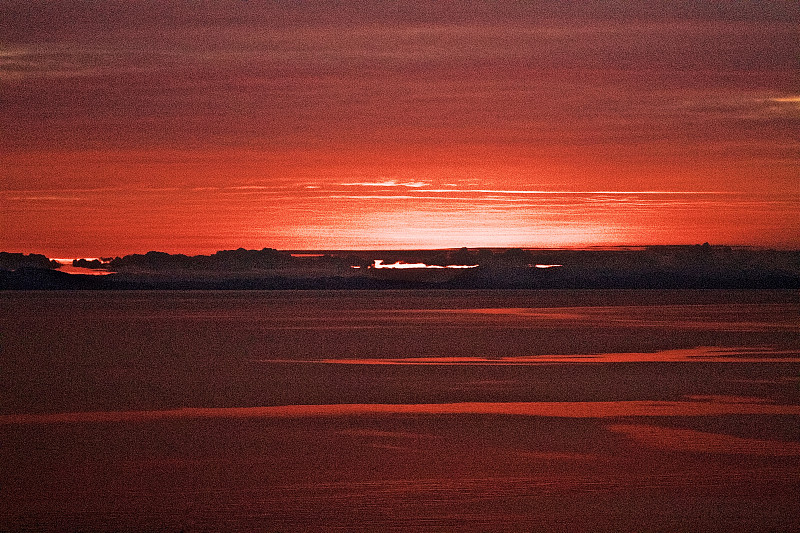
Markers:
196,126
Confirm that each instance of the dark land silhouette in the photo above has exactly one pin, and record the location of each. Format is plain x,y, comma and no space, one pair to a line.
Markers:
15,261
658,267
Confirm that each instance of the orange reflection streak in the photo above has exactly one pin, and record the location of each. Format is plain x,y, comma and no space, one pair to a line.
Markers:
700,354
551,409
689,440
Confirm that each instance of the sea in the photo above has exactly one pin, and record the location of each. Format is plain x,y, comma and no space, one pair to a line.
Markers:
400,411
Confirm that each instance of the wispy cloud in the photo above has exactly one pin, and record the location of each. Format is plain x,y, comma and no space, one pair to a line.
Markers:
373,196
789,99
47,198
576,193
386,183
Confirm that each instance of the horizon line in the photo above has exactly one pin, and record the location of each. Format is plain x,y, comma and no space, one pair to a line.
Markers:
619,247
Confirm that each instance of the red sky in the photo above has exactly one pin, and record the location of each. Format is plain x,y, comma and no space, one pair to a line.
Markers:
197,126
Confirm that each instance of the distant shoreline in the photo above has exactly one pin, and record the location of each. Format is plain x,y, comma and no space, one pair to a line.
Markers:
657,267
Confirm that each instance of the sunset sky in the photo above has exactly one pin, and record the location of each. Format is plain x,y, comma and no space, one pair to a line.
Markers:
128,126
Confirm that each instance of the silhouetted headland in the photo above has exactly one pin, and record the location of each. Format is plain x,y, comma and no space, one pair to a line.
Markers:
15,261
650,267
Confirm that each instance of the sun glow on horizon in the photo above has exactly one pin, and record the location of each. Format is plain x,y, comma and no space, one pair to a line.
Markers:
330,216
470,226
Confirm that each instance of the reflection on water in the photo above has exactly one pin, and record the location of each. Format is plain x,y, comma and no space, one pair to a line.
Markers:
688,440
751,317
381,411
739,406
699,354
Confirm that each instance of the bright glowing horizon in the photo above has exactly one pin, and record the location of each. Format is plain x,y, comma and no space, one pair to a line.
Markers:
325,217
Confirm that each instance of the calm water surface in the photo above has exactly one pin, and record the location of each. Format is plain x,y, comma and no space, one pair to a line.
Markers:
376,411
